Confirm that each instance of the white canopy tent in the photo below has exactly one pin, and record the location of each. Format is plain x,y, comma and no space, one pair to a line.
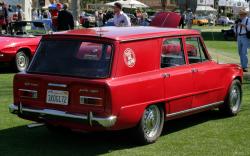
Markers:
236,5
129,4
205,8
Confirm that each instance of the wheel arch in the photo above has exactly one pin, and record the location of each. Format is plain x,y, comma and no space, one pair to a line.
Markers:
126,120
26,51
236,77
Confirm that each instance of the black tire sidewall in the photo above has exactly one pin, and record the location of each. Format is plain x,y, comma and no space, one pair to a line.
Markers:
226,108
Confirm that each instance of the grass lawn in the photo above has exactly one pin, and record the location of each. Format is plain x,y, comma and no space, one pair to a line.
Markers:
208,133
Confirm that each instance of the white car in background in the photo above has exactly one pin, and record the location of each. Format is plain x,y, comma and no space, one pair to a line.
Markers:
223,20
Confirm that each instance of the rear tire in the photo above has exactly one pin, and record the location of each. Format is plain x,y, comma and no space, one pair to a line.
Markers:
232,104
21,62
151,124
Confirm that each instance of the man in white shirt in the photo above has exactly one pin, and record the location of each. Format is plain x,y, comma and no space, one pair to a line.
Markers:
120,18
240,29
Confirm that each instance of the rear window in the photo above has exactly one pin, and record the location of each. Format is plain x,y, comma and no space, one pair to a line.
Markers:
73,58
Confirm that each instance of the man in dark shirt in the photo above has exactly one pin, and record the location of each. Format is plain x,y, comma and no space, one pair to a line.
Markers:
65,19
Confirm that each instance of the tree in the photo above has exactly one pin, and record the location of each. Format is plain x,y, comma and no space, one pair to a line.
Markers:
76,9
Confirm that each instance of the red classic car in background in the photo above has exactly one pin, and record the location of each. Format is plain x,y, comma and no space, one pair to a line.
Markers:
123,77
19,44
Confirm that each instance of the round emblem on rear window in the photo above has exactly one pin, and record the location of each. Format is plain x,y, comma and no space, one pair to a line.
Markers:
129,57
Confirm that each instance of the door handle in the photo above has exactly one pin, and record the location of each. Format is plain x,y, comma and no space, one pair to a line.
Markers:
194,70
165,75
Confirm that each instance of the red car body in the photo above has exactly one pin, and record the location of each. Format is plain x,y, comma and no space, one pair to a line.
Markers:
10,45
19,43
137,80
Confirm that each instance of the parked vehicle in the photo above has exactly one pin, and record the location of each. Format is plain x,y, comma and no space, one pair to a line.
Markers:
223,20
229,34
87,20
19,44
116,78
200,20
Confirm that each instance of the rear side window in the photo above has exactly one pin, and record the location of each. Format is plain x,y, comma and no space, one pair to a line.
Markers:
196,51
172,53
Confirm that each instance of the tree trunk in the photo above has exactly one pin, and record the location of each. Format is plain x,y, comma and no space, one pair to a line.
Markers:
163,4
76,9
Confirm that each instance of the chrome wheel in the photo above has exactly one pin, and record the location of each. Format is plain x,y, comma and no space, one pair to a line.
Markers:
151,124
235,98
151,121
22,61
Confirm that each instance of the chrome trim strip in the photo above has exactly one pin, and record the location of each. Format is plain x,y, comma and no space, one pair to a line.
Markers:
105,122
195,109
88,97
57,85
194,93
27,90
154,37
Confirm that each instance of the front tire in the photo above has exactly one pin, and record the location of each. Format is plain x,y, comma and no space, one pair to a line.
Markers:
151,125
21,61
233,100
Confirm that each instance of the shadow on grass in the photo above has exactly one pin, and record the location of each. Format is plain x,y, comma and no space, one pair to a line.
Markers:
189,121
39,141
6,69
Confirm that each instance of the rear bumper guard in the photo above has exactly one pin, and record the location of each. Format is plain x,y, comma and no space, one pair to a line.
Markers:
105,122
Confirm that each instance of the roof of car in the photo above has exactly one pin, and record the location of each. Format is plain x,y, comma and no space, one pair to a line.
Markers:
130,33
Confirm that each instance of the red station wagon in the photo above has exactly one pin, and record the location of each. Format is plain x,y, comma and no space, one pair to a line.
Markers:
115,78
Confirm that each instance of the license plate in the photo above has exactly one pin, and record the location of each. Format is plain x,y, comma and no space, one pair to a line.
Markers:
57,97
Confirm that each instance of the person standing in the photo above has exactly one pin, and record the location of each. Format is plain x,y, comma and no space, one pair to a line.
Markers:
99,18
19,12
182,21
241,27
189,18
3,17
120,18
139,17
65,19
54,11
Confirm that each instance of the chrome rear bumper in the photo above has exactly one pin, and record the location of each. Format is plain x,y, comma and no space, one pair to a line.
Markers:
41,113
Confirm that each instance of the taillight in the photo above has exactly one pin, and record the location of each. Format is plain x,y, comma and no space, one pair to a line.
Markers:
91,96
91,100
25,93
